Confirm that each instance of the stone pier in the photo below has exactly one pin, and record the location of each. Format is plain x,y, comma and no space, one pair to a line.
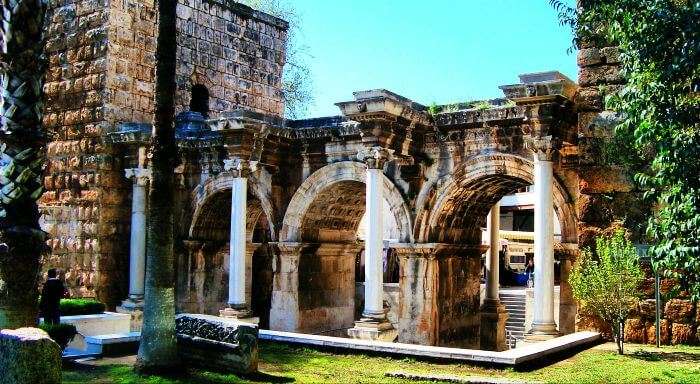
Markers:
439,294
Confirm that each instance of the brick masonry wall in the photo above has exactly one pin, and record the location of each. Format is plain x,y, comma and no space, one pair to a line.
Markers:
101,72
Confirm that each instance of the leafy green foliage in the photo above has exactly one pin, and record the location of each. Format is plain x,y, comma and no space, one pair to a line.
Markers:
62,334
659,43
605,283
74,307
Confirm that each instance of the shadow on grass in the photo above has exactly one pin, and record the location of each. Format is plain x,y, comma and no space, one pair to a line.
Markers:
665,356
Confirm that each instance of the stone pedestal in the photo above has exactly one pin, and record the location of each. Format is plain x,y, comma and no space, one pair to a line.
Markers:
243,315
135,310
493,326
373,329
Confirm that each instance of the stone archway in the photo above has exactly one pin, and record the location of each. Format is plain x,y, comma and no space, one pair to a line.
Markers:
221,184
452,210
319,246
349,175
204,268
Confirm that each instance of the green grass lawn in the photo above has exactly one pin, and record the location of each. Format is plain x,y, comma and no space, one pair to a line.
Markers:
280,364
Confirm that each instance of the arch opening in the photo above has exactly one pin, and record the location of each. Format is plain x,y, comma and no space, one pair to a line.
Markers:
199,100
326,215
204,283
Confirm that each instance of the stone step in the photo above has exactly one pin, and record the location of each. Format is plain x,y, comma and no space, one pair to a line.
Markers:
113,344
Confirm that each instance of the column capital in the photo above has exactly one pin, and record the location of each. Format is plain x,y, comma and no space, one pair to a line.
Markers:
290,248
375,157
545,148
141,176
239,167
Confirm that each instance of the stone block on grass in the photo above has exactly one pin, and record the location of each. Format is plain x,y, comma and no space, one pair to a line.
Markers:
218,344
28,355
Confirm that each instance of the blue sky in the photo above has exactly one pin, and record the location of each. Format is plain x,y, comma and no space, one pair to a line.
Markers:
438,51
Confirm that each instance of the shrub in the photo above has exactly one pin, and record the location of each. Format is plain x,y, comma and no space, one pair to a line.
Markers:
73,307
605,283
62,334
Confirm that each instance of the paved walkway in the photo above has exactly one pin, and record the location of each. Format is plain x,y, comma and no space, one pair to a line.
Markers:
511,357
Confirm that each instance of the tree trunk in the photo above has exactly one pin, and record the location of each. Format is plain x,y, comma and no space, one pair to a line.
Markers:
21,160
158,349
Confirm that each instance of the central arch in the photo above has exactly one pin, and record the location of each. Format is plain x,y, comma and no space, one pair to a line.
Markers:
324,218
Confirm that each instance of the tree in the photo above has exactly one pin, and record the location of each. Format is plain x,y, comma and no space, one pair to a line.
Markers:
606,283
158,347
296,80
21,160
659,41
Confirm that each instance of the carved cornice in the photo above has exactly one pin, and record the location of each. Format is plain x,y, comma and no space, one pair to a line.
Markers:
130,133
375,157
239,167
141,176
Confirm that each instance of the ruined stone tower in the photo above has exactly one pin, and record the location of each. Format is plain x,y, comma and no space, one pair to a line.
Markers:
101,57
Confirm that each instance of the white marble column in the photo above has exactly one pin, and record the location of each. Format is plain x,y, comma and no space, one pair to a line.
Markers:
492,266
374,324
374,306
237,305
543,318
137,245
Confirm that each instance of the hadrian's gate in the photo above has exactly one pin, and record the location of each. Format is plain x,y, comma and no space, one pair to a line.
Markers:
270,211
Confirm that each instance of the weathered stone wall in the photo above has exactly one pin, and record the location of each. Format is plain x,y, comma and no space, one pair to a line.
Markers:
439,295
84,204
608,199
680,317
235,52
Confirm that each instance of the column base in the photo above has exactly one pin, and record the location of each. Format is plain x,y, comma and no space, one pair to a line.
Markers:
493,326
373,329
133,306
541,332
241,314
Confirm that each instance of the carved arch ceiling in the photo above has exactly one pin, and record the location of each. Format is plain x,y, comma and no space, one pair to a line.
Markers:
335,213
214,220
